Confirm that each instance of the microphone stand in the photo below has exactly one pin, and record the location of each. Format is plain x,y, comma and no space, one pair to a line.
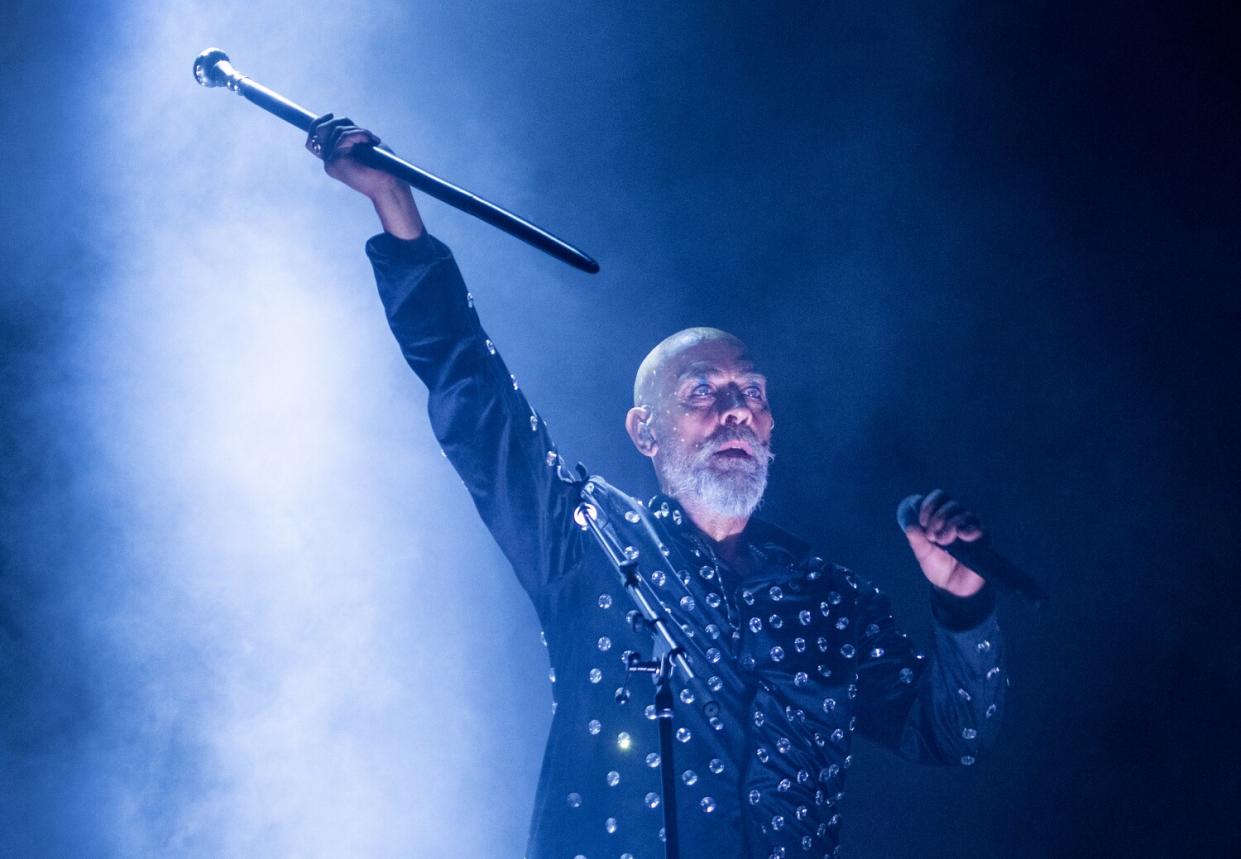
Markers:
671,655
213,69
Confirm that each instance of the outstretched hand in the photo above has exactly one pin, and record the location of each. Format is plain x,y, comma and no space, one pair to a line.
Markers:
333,140
940,521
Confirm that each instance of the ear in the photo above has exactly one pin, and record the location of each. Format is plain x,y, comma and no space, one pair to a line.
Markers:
638,425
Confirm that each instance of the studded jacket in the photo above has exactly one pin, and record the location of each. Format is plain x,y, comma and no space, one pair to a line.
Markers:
801,654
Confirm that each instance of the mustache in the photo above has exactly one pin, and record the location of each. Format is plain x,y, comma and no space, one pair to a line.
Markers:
742,433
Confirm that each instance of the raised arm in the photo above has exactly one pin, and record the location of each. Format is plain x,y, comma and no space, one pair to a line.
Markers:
497,443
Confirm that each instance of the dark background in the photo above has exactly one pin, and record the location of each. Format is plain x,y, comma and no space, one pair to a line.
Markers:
990,247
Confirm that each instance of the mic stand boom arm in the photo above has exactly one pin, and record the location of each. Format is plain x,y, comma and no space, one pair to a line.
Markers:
212,69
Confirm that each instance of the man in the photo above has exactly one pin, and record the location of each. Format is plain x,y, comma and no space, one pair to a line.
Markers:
799,653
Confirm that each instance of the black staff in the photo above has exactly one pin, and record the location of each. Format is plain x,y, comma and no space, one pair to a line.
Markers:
212,68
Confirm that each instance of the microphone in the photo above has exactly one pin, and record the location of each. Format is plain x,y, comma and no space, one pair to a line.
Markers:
980,557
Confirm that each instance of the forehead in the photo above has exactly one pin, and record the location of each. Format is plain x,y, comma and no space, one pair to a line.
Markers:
711,357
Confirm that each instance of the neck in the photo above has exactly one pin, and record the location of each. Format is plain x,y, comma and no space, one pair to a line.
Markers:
721,529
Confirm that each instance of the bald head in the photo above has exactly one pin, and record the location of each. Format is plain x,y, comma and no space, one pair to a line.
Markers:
662,366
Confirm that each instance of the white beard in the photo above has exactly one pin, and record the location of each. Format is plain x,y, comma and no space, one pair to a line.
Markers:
731,487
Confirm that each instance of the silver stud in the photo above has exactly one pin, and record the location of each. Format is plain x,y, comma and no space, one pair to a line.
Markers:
594,726
707,804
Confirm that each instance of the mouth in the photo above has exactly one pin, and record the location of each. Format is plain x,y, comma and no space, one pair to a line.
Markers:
734,449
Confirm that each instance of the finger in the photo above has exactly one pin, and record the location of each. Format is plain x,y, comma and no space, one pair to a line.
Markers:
343,144
314,133
932,500
332,125
326,126
968,528
943,515
922,547
317,123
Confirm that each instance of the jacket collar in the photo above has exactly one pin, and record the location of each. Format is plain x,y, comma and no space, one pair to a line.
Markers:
776,544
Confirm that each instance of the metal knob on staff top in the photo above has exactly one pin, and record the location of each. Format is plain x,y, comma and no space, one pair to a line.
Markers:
213,69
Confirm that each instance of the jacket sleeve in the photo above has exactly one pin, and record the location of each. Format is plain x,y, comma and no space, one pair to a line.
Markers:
944,708
496,442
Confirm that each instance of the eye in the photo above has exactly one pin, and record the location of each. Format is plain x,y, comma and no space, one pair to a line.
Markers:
754,392
700,390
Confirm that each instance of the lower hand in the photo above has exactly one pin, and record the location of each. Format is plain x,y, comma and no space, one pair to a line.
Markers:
940,521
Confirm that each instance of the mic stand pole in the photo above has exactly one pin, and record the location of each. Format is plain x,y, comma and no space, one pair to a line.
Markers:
671,657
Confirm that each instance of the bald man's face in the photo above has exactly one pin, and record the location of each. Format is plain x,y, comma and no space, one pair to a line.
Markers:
710,425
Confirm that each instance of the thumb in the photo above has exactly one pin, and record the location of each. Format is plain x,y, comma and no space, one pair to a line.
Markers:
922,547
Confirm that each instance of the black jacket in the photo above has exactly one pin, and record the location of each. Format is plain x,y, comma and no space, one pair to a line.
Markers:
801,655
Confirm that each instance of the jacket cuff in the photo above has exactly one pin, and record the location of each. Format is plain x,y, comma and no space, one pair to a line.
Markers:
960,614
422,249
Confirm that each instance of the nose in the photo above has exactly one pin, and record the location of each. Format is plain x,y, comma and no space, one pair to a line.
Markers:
733,406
